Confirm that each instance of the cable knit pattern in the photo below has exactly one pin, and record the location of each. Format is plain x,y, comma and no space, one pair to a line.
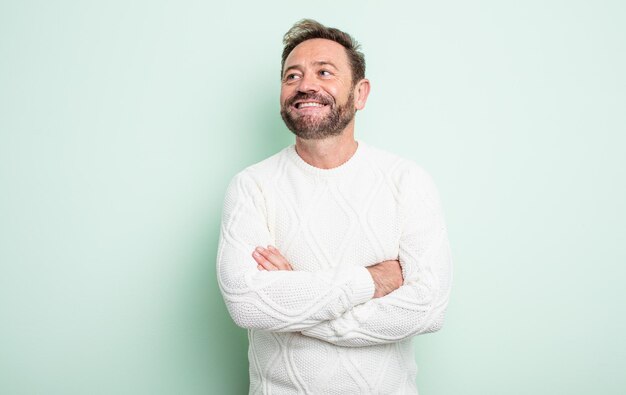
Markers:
317,329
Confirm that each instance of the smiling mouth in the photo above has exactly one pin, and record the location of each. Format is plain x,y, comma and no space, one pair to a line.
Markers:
311,104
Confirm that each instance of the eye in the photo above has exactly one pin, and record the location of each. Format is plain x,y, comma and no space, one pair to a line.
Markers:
292,77
325,73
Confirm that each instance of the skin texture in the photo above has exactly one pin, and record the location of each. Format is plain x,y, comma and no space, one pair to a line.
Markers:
318,71
387,277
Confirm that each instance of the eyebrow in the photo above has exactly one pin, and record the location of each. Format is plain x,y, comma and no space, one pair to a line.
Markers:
316,63
325,63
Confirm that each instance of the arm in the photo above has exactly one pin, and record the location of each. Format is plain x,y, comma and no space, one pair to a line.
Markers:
418,306
276,300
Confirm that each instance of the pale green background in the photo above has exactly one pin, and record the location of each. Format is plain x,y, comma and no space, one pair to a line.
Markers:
121,123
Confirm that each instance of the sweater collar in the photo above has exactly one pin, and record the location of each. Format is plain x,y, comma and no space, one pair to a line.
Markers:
335,171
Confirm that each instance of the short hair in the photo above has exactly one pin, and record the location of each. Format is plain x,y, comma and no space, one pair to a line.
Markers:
308,29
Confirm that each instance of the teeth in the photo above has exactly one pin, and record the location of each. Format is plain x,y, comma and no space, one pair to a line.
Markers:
310,104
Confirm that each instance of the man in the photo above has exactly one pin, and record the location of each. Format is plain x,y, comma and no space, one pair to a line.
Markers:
333,254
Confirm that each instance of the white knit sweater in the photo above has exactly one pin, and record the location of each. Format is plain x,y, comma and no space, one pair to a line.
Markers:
317,329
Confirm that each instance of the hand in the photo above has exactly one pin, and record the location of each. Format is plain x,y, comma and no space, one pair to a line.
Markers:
387,277
270,259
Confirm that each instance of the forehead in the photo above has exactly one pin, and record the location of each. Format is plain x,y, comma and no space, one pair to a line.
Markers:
317,50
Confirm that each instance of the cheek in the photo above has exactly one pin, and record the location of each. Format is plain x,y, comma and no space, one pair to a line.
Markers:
284,95
338,92
340,97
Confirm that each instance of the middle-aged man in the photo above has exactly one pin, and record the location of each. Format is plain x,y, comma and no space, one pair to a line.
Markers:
333,254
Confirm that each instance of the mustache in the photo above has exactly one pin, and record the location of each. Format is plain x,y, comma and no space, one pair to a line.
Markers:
309,96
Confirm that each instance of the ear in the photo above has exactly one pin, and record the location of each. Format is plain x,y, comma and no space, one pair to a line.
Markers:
361,91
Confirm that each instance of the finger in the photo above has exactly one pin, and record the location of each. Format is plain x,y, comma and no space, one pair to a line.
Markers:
280,260
257,257
261,260
277,260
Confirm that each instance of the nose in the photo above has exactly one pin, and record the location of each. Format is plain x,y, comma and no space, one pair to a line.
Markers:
308,84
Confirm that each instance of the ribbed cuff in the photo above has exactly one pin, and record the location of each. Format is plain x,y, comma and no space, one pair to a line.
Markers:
362,286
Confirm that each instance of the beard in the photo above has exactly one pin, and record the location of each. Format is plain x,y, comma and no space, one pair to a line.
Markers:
316,127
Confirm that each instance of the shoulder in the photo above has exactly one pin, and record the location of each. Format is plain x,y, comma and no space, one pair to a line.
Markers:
402,172
415,189
246,188
384,160
267,167
258,174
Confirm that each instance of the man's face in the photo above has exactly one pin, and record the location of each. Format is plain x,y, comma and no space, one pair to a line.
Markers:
317,95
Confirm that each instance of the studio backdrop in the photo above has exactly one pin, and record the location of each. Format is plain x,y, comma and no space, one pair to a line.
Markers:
121,124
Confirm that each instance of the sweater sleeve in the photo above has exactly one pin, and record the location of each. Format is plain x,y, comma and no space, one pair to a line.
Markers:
418,306
280,301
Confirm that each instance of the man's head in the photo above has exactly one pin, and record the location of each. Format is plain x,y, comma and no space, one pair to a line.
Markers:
308,29
323,80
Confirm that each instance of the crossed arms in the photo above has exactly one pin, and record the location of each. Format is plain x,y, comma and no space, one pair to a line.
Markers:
387,275
347,306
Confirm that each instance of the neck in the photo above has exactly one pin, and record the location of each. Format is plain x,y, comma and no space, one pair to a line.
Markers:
330,152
